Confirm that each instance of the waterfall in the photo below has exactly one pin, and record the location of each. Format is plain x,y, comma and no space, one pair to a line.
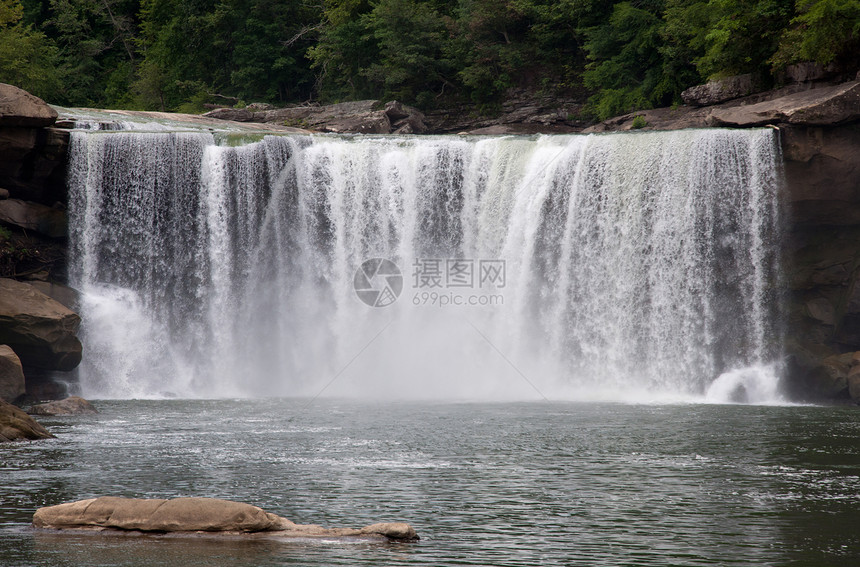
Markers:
624,266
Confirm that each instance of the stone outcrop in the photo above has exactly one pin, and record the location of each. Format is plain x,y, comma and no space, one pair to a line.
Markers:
16,425
195,515
794,105
827,106
40,330
20,108
357,117
11,375
32,154
73,405
45,220
63,294
720,90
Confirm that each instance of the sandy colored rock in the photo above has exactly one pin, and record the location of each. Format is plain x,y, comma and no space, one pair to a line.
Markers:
11,375
20,108
157,515
41,331
73,405
207,515
16,425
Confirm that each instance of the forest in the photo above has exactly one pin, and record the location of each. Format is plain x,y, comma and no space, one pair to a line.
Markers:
619,56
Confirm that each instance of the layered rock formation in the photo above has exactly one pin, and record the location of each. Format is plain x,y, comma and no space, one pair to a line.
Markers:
32,153
196,515
11,375
358,117
41,331
38,330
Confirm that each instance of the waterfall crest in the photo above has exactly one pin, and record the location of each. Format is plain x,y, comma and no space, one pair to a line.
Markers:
618,265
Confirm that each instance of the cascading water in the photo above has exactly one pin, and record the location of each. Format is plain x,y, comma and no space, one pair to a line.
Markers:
619,266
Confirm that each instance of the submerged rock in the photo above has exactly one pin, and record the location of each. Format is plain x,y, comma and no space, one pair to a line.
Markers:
73,405
16,425
194,515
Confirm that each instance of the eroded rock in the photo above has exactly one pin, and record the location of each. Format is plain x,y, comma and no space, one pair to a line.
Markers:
40,330
815,107
355,117
195,515
34,216
20,108
16,425
720,90
11,375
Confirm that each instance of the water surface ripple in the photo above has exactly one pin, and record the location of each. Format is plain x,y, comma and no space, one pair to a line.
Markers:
484,484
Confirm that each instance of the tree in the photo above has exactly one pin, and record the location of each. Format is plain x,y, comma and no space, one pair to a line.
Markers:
626,63
27,56
824,31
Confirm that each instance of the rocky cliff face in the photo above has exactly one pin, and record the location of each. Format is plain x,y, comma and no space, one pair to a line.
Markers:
38,334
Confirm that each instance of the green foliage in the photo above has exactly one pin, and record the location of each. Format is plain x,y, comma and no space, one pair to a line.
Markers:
627,55
27,57
822,31
626,62
742,35
410,37
639,122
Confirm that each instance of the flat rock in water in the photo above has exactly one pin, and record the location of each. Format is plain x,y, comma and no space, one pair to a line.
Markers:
73,405
194,515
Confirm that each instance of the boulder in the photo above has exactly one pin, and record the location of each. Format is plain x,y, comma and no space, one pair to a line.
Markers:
73,405
719,90
405,119
807,71
20,108
68,296
33,216
206,515
16,425
824,106
11,375
39,329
